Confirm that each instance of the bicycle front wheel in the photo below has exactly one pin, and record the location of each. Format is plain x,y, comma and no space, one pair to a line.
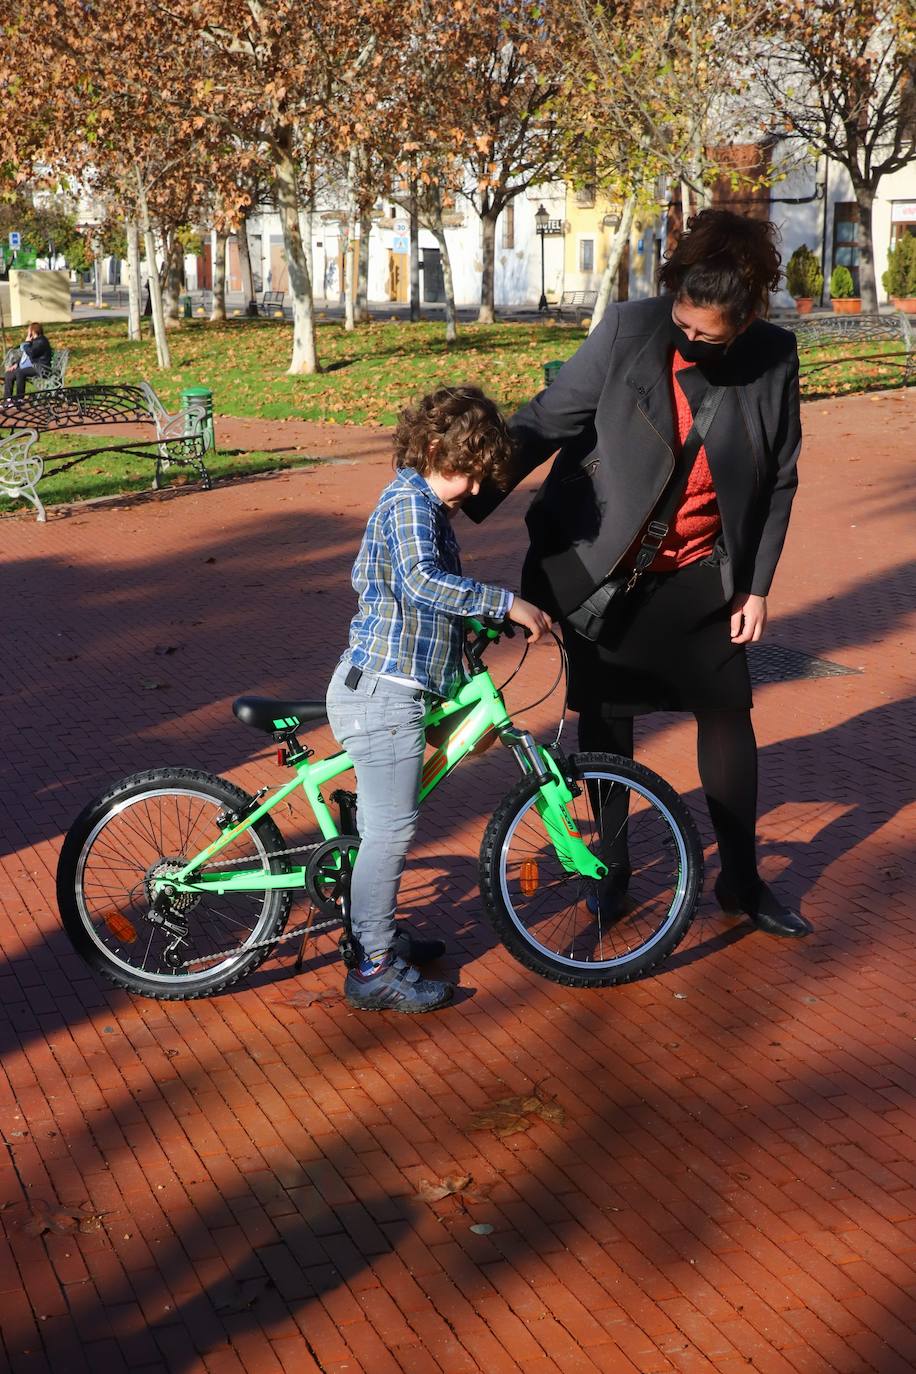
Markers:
572,929
143,828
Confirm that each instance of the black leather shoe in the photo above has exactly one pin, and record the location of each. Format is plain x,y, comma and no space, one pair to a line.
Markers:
608,898
764,908
413,950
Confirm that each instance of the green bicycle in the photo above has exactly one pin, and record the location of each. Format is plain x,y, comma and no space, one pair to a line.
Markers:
176,883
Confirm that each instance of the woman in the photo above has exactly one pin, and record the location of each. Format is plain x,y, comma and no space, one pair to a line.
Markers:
620,411
35,353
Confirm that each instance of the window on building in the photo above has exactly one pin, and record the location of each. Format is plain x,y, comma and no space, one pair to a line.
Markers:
507,220
847,239
903,221
586,255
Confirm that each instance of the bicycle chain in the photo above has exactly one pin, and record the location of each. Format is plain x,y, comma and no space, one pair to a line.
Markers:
307,929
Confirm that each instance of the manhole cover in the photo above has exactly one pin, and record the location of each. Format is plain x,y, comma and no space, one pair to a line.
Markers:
773,663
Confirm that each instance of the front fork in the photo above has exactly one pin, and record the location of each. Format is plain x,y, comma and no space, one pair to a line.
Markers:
551,805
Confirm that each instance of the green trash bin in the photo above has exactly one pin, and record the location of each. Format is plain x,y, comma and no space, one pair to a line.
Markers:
199,395
550,371
186,309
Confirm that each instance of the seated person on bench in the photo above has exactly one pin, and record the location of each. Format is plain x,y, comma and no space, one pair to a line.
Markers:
35,352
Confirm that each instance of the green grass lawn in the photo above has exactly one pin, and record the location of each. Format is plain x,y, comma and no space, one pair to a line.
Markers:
116,473
853,366
369,375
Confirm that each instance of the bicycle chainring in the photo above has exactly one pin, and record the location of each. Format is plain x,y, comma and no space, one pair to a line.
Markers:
330,864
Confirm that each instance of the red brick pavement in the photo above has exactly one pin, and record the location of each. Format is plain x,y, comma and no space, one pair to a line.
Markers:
734,1185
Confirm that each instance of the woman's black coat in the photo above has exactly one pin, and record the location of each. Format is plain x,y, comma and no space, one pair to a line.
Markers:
611,414
38,350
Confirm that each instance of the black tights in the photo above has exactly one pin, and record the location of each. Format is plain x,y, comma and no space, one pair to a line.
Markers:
727,759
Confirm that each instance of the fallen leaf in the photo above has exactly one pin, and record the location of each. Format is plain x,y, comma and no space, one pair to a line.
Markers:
483,1228
435,1192
243,1296
150,685
60,1220
452,1185
512,1114
163,649
327,997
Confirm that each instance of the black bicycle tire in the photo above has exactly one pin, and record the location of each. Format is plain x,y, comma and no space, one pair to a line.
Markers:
532,956
191,985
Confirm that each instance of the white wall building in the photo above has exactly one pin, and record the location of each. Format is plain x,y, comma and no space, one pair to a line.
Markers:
814,205
826,217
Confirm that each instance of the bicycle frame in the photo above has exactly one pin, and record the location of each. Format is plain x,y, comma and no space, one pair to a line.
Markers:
486,713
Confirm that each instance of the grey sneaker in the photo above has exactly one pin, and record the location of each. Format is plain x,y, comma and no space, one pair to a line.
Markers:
397,986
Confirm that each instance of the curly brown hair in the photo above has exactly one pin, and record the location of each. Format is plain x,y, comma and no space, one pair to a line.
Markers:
727,261
456,429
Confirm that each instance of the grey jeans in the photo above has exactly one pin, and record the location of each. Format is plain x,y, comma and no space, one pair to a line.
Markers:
380,724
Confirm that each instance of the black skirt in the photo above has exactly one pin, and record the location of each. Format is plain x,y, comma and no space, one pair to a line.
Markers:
671,651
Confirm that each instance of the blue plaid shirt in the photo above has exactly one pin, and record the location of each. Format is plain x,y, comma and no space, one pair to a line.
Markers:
412,596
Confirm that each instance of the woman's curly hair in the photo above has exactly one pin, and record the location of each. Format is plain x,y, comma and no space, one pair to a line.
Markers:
727,261
456,429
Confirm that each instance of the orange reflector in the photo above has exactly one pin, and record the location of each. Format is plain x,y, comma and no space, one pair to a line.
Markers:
120,927
484,743
528,877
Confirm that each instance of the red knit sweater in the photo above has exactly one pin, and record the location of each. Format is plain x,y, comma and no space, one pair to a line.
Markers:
696,525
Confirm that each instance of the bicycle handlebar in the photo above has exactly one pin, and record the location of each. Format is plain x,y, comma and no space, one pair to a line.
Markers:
484,631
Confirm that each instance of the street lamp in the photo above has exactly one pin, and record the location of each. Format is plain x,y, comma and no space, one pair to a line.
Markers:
541,220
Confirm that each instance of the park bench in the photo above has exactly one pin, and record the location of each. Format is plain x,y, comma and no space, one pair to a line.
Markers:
271,302
861,331
181,438
576,303
48,376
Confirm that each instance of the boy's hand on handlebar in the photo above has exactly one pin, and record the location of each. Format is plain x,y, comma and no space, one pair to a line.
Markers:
530,617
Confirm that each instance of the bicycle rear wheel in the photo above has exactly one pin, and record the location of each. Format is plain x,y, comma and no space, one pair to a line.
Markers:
569,928
148,825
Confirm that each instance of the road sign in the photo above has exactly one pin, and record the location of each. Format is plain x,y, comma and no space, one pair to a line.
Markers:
401,226
15,240
400,243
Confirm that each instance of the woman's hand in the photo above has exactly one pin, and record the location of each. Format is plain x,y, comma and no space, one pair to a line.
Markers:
749,618
532,618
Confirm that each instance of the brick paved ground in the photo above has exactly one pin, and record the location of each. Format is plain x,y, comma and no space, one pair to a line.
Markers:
734,1184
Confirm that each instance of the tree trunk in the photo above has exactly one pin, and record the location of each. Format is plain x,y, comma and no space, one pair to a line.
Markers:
133,280
306,218
414,221
304,358
438,229
615,253
163,356
486,314
685,204
97,275
362,270
251,305
171,278
349,246
218,308
868,287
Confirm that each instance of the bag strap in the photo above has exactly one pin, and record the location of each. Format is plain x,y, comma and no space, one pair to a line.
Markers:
659,524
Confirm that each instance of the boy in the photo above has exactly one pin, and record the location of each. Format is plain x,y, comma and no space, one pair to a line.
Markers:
406,645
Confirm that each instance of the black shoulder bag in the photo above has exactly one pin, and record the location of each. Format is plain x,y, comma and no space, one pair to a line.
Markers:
600,611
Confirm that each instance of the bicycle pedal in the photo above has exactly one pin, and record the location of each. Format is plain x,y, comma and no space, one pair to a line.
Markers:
349,951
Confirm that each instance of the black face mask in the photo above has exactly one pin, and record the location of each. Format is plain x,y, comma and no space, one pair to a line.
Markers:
695,350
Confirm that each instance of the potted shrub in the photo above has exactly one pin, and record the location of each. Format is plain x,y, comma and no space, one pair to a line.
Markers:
900,278
804,278
841,289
